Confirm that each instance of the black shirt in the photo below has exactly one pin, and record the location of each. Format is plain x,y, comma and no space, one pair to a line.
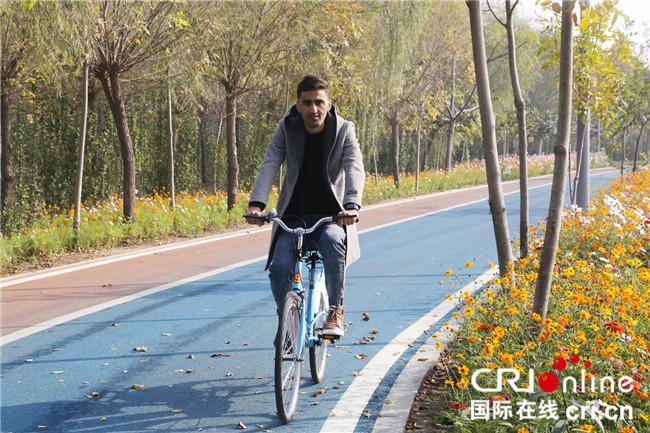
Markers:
312,195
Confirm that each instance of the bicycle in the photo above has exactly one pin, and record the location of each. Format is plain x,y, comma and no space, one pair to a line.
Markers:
301,320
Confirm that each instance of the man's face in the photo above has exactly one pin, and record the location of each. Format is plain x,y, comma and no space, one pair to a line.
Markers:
313,106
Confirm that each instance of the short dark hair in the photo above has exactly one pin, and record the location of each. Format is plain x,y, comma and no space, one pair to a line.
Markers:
312,82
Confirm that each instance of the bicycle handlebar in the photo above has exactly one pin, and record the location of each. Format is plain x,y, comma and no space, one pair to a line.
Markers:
273,217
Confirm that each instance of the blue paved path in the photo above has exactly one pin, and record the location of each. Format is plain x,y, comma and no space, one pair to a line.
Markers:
79,376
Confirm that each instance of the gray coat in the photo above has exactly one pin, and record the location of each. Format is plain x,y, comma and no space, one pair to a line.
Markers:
345,171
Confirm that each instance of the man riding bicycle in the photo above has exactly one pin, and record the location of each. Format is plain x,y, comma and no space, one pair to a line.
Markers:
324,176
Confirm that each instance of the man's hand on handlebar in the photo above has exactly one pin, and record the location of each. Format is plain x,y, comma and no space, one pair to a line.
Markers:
256,216
347,217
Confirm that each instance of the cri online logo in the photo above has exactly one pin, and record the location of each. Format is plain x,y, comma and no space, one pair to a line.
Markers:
549,381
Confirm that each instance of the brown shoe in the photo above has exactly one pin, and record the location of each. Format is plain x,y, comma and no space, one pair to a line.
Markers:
334,322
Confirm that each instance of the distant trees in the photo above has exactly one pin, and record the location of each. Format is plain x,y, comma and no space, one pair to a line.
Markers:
230,70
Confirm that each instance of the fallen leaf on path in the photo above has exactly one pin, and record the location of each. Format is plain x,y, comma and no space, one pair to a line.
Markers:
140,349
422,359
221,355
241,425
361,356
228,374
355,374
366,413
258,377
374,331
189,370
137,386
166,334
107,285
366,317
176,410
316,403
29,360
191,356
56,372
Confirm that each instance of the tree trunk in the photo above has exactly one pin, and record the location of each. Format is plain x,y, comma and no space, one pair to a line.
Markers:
7,158
638,141
203,150
394,138
583,148
556,204
623,151
450,143
231,148
111,84
170,123
495,191
452,118
78,186
520,105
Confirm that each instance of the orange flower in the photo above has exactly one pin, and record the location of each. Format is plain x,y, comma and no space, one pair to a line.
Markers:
615,327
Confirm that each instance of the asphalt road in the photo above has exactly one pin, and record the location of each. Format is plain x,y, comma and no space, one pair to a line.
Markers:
193,324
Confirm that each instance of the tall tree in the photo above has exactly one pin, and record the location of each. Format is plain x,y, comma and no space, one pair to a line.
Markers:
496,199
456,115
247,41
522,132
556,204
15,41
127,35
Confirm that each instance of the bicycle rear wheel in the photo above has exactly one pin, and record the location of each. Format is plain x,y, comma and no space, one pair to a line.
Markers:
287,359
318,352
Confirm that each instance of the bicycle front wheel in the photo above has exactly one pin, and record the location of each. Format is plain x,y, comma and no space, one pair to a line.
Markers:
318,352
287,359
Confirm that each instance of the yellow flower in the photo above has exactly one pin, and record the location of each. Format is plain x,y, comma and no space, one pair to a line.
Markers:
626,429
448,272
584,315
463,383
586,427
523,430
464,370
469,265
507,358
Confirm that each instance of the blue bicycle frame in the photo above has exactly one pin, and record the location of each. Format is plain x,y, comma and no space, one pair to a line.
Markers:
313,266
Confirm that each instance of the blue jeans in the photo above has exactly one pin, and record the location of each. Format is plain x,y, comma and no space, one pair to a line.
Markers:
330,239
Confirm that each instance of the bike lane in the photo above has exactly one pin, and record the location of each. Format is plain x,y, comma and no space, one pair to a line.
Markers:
208,362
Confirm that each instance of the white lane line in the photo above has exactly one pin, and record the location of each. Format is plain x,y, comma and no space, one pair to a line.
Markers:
345,415
120,257
9,338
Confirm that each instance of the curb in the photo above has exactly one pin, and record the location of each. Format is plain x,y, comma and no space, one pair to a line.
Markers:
403,392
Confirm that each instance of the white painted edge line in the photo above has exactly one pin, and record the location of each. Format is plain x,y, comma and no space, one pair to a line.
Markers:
9,338
345,415
126,256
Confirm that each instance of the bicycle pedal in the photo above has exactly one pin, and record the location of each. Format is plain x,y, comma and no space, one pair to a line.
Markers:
330,337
